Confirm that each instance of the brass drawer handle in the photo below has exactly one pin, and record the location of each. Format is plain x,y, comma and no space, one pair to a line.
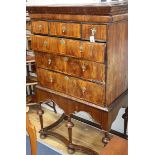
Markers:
63,29
81,48
93,31
66,78
65,59
84,68
40,27
62,41
83,89
49,61
45,43
51,80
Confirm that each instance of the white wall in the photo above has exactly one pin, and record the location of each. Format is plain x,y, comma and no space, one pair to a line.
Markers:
45,2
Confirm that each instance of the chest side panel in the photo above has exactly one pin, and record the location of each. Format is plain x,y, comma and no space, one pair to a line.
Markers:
117,61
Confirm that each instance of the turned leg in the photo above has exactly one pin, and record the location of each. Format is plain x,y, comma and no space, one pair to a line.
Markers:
106,138
40,112
69,125
125,117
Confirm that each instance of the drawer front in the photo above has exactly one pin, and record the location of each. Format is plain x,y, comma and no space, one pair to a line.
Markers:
40,27
85,90
71,66
65,29
74,48
98,31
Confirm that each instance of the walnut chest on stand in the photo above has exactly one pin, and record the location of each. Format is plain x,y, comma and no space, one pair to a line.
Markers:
81,56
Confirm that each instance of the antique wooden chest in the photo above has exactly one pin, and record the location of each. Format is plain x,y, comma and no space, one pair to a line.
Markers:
81,56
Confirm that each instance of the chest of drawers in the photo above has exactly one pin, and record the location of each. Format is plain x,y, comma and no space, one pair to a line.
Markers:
81,57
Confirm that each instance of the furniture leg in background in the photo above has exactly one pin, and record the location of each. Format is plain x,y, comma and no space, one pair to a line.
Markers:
125,117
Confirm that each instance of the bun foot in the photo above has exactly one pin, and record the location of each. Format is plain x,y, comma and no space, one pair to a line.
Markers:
71,151
42,136
105,140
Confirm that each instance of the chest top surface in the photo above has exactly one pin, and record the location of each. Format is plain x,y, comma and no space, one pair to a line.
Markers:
106,8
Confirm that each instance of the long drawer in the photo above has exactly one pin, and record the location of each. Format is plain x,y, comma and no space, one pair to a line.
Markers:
79,68
85,90
69,47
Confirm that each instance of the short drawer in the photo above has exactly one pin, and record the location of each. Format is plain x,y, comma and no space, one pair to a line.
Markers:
79,68
85,90
64,29
98,31
79,49
39,27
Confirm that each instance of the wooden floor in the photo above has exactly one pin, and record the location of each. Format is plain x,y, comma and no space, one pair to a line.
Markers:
83,134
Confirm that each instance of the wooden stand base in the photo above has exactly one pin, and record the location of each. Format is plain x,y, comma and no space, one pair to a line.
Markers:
103,115
47,131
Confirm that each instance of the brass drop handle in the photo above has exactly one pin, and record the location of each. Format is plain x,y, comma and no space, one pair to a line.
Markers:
93,31
45,43
49,61
81,48
66,78
84,68
83,89
65,59
40,27
63,28
51,79
62,41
